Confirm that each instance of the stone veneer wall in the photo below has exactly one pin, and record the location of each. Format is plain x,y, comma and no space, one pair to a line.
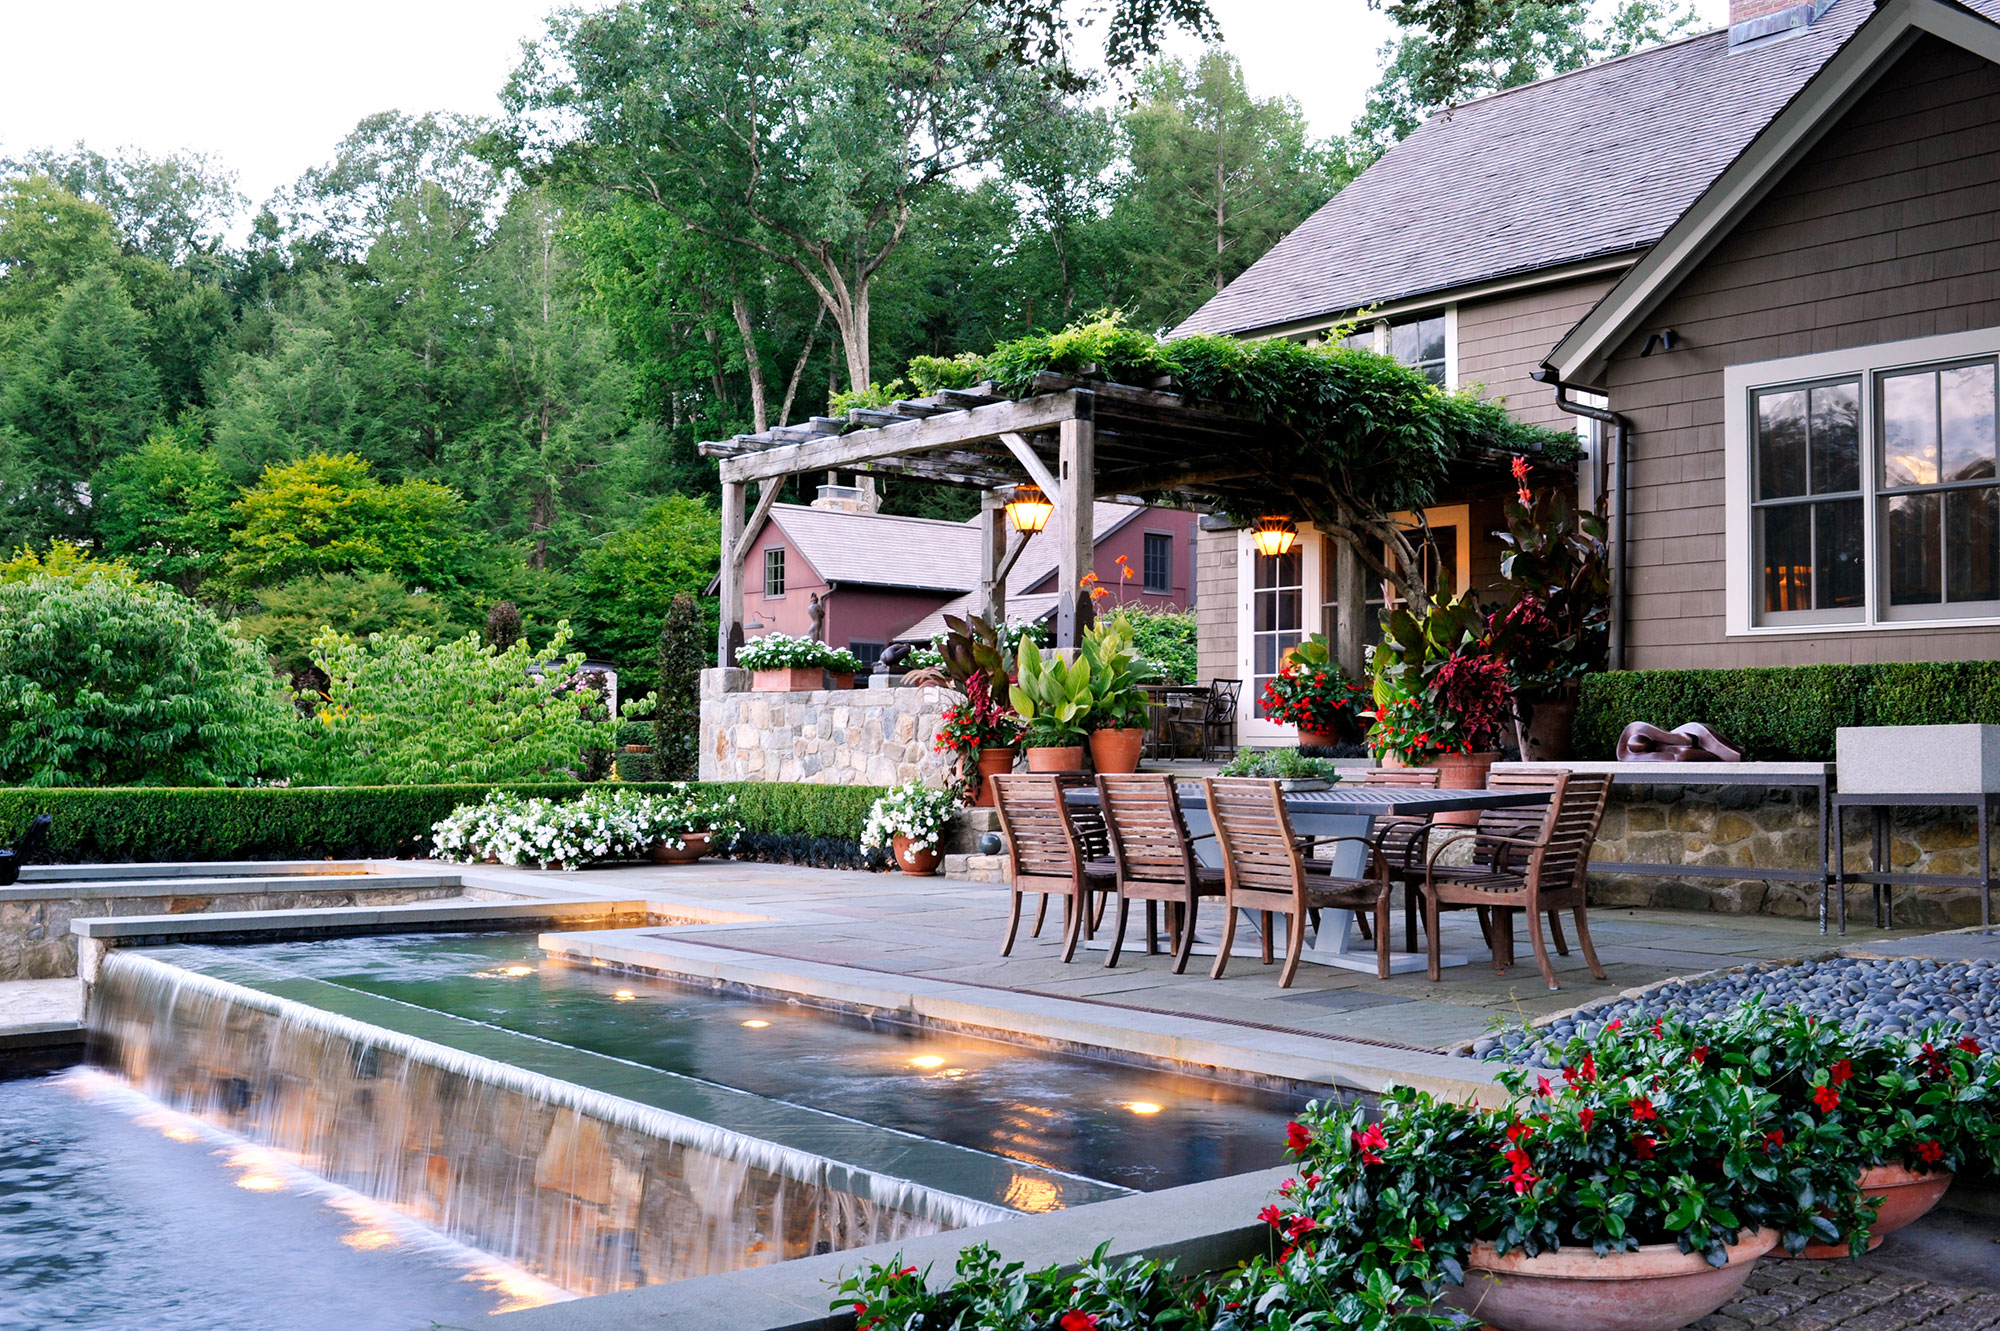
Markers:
1776,827
861,737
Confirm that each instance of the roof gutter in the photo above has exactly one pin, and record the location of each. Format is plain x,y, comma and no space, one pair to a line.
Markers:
1621,433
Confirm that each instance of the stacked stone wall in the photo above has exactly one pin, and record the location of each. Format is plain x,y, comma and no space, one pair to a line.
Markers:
1776,827
861,737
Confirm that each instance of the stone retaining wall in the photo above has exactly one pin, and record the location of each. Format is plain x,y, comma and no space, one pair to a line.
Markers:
1776,827
862,737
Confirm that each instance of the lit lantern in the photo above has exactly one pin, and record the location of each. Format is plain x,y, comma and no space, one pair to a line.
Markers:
1274,535
1029,509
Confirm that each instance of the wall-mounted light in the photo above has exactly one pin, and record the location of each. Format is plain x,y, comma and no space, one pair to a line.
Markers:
1029,509
1273,535
1664,340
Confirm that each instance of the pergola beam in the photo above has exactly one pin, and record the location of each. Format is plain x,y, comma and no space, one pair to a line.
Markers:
905,437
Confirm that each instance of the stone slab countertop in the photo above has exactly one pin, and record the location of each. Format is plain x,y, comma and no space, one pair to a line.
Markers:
1688,774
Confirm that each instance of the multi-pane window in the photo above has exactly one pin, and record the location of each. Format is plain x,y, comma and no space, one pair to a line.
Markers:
1417,342
1277,604
1807,502
868,653
774,571
1940,510
1159,563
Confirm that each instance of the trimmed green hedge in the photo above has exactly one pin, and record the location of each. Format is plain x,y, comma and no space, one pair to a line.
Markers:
347,822
1787,713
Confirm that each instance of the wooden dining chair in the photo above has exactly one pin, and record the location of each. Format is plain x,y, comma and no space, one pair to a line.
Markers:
1496,828
1401,839
1155,861
1265,870
1050,851
1539,868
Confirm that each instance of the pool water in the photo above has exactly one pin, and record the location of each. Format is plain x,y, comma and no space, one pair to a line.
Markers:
1120,1125
117,1214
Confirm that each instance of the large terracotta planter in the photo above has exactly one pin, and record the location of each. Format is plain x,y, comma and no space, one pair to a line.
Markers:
1656,1288
916,863
844,679
1117,750
694,845
1317,739
1906,1196
1462,771
1542,727
1069,758
795,679
992,763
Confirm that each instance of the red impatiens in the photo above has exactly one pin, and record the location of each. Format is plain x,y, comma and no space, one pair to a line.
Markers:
1930,1152
1827,1098
1642,1146
1370,1143
1077,1320
1297,1137
1842,1072
1642,1109
1520,1171
1586,1116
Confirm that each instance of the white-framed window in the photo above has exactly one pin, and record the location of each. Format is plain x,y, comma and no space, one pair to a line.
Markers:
774,571
1863,487
1158,560
1426,341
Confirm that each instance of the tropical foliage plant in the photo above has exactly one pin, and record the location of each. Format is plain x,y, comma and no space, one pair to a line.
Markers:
1554,624
1117,675
1053,697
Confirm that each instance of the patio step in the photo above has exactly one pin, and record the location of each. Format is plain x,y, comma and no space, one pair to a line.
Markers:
227,885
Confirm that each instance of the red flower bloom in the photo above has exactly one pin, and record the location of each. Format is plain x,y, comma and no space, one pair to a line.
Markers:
1843,1072
1660,1027
1642,1109
1297,1137
906,1271
1075,1320
1416,1243
1969,1045
1272,1216
1642,1146
1542,1087
1370,1144
1616,1024
1301,1226
1700,1054
1827,1098
1519,1171
1518,1132
1587,1117
1930,1152
1773,1138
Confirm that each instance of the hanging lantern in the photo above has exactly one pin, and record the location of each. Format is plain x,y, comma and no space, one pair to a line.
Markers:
1274,535
1029,509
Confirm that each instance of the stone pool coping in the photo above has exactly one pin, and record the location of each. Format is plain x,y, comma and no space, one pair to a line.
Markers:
1240,1052
1201,1226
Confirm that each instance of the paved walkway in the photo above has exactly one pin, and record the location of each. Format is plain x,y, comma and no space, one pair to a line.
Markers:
1902,1286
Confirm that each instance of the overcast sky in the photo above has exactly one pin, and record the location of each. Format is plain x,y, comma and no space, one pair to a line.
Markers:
270,88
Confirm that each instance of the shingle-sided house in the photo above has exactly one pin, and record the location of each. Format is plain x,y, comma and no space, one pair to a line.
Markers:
873,578
1765,260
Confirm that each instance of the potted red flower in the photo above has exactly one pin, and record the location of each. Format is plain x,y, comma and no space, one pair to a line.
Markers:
982,731
1312,692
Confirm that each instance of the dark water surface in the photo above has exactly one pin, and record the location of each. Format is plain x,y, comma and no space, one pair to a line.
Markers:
1128,1126
120,1215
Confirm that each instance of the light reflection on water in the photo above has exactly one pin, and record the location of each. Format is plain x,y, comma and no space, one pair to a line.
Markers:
118,1213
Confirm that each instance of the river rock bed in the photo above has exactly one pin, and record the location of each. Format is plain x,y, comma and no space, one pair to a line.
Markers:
1896,998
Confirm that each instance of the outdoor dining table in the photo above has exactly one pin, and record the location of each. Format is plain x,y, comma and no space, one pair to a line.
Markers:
1168,705
1346,810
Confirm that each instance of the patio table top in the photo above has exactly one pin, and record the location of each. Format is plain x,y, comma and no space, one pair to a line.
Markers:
1362,801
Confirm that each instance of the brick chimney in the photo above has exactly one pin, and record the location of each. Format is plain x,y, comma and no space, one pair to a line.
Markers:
1750,20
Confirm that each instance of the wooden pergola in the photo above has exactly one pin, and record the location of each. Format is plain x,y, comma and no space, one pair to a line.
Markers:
1079,439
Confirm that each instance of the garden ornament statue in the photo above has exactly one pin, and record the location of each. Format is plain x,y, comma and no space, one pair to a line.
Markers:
891,661
816,617
1691,743
31,842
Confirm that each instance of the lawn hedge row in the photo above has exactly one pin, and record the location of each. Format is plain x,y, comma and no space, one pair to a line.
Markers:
1787,713
176,823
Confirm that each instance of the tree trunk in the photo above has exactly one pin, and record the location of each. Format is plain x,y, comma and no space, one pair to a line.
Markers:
759,412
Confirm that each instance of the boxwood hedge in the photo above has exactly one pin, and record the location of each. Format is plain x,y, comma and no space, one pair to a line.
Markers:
342,822
1787,713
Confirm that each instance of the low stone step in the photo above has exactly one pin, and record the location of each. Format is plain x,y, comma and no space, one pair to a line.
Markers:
245,885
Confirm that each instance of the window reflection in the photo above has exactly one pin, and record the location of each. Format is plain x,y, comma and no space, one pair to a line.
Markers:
1277,625
1808,514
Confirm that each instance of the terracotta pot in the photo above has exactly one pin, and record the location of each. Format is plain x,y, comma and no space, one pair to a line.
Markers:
1116,750
1906,1196
695,846
1317,739
844,679
1462,771
1066,759
992,762
916,863
1542,727
1656,1288
794,679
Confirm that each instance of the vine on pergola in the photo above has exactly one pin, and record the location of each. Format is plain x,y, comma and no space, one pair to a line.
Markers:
1356,437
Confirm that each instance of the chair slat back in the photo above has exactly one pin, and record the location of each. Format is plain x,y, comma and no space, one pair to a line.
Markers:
1148,834
1040,840
1529,822
1565,853
1255,835
1401,836
1426,777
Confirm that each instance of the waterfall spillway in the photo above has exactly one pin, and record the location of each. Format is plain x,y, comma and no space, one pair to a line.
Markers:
590,1191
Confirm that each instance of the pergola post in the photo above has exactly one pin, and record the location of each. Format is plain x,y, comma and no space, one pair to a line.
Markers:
1075,512
1350,596
729,632
992,599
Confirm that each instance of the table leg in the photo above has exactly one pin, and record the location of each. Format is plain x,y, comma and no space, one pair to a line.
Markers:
1881,861
1824,878
1985,861
1840,866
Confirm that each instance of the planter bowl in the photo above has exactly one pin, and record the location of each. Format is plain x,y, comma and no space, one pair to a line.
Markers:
1317,739
1906,1196
1117,750
1462,771
1543,728
1069,758
916,863
694,846
1656,1288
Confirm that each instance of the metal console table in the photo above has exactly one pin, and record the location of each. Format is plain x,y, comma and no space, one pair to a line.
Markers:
1881,879
1817,777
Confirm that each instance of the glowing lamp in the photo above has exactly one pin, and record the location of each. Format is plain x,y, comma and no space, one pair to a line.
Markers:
1274,535
1029,509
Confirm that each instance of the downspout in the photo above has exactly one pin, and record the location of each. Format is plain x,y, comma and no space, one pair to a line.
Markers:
1621,433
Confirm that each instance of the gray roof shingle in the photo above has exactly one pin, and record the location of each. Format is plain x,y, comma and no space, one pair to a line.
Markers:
878,550
1584,165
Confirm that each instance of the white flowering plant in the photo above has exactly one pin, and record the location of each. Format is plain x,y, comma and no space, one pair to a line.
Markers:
603,825
782,651
913,811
